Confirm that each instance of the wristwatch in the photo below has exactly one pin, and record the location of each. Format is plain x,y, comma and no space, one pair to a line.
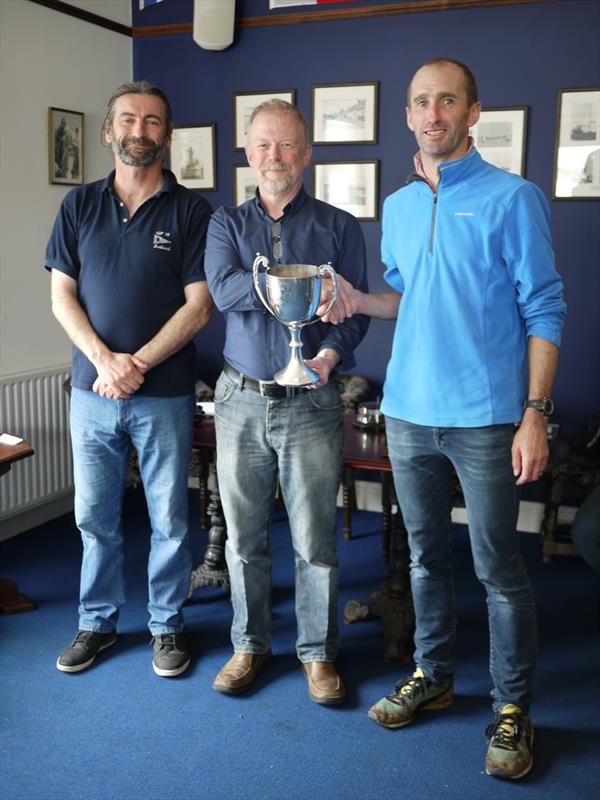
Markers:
545,406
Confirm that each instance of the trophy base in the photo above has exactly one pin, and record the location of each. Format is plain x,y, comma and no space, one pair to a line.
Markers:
296,375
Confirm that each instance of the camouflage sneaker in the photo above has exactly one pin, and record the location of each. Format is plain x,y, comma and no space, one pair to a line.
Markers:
412,695
510,738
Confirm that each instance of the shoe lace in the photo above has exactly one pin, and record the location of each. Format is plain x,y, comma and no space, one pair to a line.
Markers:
82,637
168,641
505,731
410,688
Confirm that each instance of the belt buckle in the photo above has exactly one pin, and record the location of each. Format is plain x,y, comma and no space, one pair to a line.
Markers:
264,388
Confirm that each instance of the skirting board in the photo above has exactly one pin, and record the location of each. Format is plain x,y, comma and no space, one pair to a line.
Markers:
33,517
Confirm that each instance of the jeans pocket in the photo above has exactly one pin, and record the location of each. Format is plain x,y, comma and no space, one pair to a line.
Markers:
224,389
327,398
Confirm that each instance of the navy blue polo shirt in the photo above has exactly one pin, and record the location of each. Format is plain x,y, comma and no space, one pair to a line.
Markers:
131,273
309,232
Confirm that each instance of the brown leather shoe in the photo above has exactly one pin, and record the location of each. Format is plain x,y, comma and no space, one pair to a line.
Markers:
324,684
240,672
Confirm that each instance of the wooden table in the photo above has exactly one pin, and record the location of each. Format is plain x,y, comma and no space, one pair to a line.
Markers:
11,600
364,450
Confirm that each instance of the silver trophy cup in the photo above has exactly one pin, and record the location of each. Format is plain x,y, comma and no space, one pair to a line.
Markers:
292,296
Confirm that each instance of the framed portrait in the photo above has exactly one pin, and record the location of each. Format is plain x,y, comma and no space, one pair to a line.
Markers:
577,146
244,183
244,104
351,186
65,146
192,156
345,112
500,137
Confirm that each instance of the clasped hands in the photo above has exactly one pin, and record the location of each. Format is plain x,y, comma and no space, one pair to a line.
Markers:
120,375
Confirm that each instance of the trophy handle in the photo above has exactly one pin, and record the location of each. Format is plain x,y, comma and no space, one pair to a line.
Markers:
330,270
260,261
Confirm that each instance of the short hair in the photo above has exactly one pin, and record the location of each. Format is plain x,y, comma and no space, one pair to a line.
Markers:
470,82
137,87
276,106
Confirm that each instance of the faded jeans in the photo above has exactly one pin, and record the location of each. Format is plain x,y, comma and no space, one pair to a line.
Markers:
422,460
297,440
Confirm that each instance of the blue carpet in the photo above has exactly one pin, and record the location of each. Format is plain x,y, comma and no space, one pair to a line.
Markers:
118,732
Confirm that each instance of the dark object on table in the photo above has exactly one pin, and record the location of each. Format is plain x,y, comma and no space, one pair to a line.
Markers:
574,470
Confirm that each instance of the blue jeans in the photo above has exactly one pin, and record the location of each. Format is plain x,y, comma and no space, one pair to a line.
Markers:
299,441
422,460
160,429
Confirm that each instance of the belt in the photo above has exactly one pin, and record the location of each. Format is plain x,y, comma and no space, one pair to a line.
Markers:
264,388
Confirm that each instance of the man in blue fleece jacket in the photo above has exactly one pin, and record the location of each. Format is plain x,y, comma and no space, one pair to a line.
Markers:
479,313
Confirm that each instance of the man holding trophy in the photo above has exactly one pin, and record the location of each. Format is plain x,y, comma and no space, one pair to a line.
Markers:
276,423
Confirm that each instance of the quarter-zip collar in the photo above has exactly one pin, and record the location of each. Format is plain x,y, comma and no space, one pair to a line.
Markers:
446,169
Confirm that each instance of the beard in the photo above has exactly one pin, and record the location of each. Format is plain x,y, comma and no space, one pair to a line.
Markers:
153,152
278,181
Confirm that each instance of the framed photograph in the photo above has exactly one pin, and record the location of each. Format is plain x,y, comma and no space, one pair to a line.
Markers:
192,156
500,137
345,112
244,104
351,186
244,184
65,146
577,148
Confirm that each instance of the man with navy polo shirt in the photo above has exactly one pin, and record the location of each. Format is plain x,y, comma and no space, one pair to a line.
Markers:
126,257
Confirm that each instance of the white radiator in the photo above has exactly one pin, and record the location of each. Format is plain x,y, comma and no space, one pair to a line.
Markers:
36,407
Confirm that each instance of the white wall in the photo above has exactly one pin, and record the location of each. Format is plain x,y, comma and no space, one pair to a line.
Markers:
46,59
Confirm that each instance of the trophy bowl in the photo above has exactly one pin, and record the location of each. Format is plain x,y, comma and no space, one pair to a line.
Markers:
293,293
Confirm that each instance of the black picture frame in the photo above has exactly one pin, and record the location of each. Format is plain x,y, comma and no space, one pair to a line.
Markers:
576,174
345,113
350,185
193,156
65,146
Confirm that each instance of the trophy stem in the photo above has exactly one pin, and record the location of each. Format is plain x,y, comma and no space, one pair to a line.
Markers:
296,373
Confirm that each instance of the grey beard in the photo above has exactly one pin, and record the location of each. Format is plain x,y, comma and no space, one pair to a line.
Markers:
277,186
149,157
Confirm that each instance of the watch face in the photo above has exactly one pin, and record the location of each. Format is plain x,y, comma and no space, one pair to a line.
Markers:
548,407
545,406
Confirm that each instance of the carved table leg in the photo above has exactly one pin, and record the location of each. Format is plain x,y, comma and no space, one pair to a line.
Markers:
392,601
213,570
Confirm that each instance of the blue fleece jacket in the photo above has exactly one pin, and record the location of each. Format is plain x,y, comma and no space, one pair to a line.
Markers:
475,268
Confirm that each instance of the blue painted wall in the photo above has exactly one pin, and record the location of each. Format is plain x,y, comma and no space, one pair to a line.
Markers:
521,55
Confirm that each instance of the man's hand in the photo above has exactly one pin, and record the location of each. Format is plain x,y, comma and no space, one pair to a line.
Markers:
322,364
120,375
346,303
530,447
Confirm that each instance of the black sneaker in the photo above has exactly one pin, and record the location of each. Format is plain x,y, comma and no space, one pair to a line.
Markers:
171,656
510,738
82,651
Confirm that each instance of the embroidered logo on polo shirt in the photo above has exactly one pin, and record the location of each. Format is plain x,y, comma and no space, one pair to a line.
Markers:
464,214
161,241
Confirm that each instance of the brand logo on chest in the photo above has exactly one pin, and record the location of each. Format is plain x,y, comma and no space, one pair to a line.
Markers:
161,241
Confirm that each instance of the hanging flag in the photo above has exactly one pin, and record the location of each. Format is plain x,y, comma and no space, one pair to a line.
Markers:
288,3
145,3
